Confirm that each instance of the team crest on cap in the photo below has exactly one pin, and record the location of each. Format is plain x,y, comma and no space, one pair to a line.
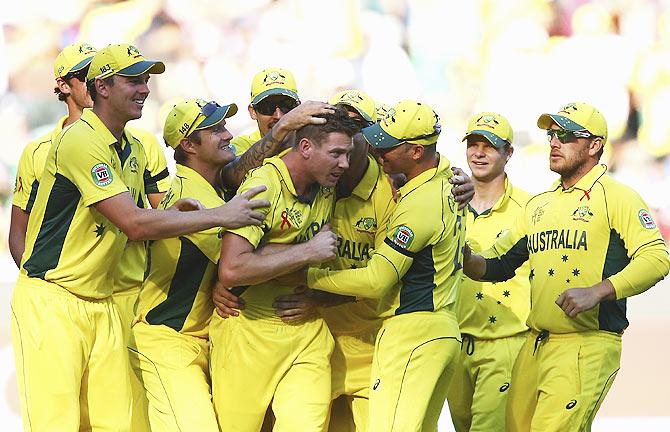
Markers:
403,236
133,52
351,96
274,77
86,49
102,175
566,108
646,219
582,213
487,120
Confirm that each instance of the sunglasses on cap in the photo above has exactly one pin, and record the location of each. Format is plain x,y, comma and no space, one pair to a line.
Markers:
268,106
420,137
207,110
566,136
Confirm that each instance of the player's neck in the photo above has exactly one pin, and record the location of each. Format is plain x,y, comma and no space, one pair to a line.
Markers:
207,171
303,182
487,192
422,166
570,178
109,118
74,112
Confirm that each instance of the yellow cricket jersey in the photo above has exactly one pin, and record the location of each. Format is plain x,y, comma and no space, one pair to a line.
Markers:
574,238
494,310
242,143
31,166
419,265
290,219
360,223
178,290
133,263
68,242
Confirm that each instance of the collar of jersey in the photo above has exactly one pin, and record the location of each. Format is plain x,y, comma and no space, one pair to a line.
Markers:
92,119
442,167
282,169
585,183
367,184
58,128
194,176
501,201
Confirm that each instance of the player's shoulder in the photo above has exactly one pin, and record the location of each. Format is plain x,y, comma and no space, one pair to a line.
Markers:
517,196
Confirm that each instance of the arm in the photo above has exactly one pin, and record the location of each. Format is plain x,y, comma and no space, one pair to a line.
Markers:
150,224
17,233
241,264
232,174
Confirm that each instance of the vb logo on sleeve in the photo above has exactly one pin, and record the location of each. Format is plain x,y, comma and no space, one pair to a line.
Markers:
102,175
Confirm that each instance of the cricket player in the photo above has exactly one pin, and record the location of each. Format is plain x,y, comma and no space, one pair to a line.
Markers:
591,243
492,317
414,273
66,331
273,94
256,358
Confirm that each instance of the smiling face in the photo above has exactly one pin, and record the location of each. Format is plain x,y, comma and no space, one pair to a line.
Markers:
214,146
127,96
486,162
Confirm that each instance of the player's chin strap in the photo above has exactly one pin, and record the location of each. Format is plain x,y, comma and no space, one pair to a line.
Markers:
544,334
468,343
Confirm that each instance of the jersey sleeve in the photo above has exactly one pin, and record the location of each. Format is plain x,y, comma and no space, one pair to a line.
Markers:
88,168
156,175
407,233
508,253
631,220
259,177
25,177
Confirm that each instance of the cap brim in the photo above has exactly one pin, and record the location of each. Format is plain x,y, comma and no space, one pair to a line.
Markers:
275,91
362,113
154,67
546,120
378,137
221,113
490,137
81,65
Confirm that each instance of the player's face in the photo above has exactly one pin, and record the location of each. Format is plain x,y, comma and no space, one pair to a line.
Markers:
268,111
394,159
329,160
128,94
214,148
486,162
567,158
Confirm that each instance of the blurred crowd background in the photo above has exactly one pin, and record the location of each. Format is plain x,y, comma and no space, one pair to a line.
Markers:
517,57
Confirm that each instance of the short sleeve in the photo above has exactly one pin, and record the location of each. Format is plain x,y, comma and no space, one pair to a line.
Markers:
259,177
25,177
156,175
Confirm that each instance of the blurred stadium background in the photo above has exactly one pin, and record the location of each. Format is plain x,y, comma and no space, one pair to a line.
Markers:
518,57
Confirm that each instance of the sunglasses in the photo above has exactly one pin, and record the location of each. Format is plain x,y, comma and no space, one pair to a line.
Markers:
566,136
361,123
207,110
79,75
268,106
416,138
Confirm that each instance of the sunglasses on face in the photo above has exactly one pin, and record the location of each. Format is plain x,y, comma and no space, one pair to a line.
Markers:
361,123
207,110
566,136
79,75
268,106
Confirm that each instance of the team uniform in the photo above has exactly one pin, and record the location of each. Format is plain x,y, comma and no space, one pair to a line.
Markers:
169,349
63,318
256,358
421,259
598,229
492,320
360,221
240,144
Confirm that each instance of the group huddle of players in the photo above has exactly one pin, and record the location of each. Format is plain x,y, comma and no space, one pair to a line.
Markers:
330,271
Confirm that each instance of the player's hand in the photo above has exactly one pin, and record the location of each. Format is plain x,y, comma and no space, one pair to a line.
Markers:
296,308
227,304
573,301
302,115
464,188
186,204
323,246
239,211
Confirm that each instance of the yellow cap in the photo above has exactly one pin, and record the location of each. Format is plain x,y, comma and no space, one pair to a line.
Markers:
181,121
576,116
273,81
382,110
359,101
73,58
492,126
408,121
121,59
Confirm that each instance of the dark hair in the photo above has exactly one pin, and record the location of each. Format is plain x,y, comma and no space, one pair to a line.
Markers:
339,121
429,150
90,86
180,155
79,75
